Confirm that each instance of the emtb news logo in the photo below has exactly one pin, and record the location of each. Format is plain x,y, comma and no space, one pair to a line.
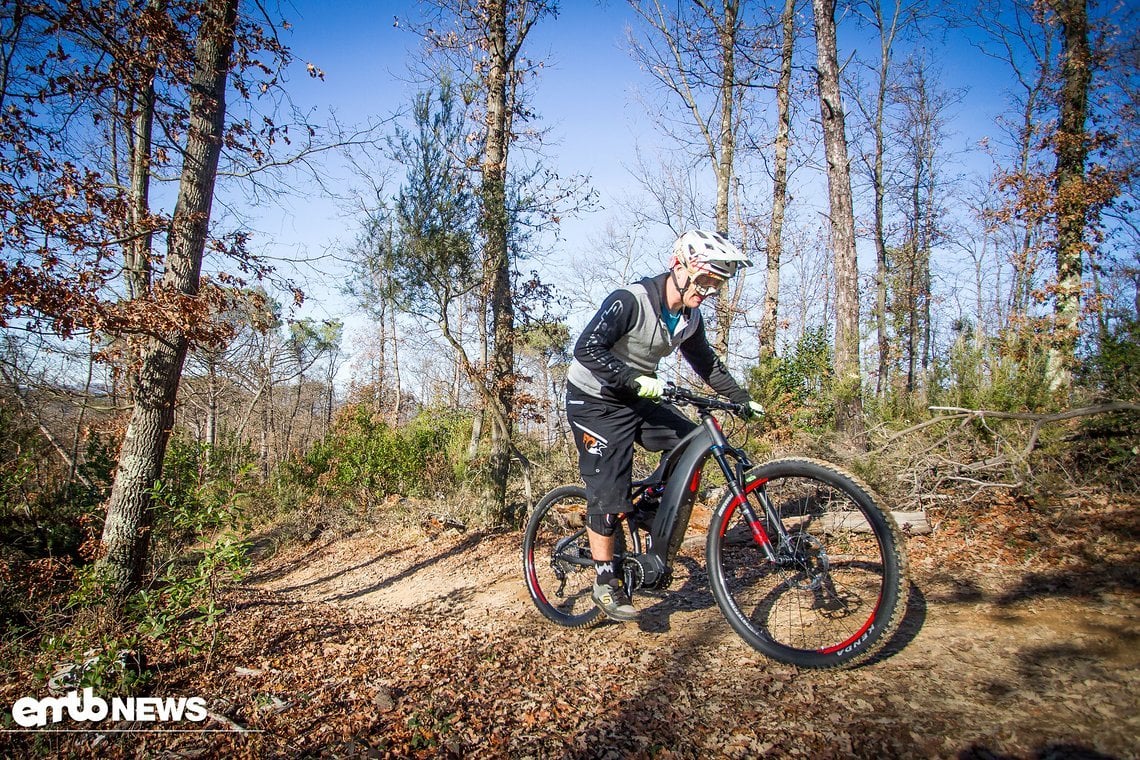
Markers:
30,712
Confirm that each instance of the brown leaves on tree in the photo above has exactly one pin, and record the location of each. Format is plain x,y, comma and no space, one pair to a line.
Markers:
69,221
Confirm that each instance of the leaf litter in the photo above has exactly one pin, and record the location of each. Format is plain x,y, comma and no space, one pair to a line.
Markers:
1019,642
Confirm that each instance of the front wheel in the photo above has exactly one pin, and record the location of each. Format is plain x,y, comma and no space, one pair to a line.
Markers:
833,593
557,563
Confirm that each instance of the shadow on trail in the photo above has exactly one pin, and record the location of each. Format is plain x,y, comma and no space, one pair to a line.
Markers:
332,576
1052,751
469,542
263,546
1089,583
913,620
1092,582
1088,573
691,596
664,713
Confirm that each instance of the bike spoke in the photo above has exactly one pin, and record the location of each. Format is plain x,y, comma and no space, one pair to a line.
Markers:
823,596
557,562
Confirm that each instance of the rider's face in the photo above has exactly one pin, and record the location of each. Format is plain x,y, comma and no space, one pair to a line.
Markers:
700,287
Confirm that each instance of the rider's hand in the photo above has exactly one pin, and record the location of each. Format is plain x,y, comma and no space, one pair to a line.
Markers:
650,387
752,409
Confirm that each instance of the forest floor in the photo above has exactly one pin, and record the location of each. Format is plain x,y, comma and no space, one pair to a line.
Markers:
1020,641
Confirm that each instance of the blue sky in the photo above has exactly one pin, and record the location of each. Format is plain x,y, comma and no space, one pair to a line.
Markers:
585,96
582,97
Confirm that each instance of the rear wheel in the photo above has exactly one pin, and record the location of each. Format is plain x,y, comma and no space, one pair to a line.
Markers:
835,592
557,563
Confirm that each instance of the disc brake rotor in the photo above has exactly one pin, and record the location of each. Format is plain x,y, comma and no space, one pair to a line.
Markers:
806,554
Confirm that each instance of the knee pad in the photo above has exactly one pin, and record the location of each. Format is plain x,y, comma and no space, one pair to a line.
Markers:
603,525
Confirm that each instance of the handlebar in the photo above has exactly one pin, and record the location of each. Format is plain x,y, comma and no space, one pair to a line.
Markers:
679,395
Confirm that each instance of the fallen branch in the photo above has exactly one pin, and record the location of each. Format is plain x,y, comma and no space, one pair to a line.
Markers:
237,727
1007,466
1038,420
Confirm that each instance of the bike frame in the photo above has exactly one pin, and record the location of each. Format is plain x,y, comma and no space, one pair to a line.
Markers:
680,473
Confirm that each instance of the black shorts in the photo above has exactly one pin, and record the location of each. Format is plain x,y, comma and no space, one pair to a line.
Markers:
605,432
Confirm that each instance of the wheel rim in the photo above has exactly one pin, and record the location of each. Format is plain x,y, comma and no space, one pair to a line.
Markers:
824,594
559,571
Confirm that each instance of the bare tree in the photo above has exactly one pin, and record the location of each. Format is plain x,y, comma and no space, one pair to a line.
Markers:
1018,38
921,133
1064,175
701,54
890,19
774,247
848,376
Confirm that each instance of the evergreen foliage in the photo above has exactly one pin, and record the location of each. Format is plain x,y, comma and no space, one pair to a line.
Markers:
364,453
797,387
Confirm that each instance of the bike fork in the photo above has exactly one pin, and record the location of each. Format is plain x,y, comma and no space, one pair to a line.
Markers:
735,478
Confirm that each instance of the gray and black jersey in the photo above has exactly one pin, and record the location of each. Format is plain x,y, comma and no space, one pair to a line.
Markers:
628,337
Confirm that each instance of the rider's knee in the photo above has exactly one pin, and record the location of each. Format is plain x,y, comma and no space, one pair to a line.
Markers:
603,525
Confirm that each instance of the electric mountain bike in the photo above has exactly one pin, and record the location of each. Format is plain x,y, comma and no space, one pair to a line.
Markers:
802,562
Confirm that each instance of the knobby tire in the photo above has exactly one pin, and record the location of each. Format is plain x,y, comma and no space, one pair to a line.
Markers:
837,595
555,545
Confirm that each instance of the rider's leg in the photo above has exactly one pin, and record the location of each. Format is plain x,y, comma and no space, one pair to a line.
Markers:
600,531
605,434
663,426
609,593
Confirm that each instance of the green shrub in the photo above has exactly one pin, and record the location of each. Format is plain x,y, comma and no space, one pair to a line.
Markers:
1006,376
1109,444
1112,371
798,388
423,458
202,491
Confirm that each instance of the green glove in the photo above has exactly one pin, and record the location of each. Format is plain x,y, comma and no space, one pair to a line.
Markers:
649,387
755,409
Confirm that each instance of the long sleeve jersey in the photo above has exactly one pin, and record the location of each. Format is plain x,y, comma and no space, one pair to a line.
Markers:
628,338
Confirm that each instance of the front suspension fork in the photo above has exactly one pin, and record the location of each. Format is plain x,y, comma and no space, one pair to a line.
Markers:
735,477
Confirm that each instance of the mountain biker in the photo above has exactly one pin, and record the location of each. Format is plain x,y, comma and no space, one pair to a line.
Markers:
613,395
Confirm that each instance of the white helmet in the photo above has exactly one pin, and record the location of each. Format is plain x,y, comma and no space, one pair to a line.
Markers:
707,252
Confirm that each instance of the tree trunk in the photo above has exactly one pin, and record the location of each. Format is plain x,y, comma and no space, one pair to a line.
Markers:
126,532
138,269
380,376
1071,150
929,224
727,27
496,256
480,402
878,183
769,320
848,378
913,264
267,401
397,403
212,405
137,249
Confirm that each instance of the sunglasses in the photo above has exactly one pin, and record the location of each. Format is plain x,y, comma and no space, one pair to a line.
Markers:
706,284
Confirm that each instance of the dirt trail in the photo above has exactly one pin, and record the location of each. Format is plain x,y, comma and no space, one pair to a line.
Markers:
1021,641
992,662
